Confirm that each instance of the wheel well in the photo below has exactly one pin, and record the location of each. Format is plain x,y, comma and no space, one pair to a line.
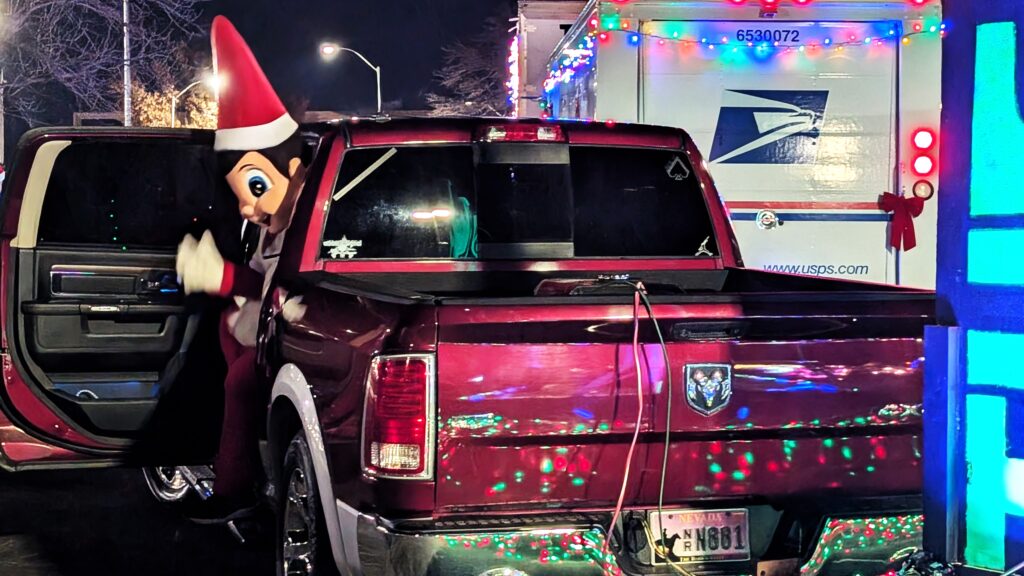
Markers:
283,423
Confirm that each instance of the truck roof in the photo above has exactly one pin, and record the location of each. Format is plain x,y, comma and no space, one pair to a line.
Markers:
418,130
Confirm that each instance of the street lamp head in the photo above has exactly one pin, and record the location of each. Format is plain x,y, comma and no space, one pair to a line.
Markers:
329,50
214,83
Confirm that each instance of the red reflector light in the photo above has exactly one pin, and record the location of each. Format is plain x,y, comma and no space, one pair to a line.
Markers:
521,133
924,139
802,2
398,425
924,165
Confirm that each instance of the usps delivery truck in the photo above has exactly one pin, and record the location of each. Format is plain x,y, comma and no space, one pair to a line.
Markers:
819,118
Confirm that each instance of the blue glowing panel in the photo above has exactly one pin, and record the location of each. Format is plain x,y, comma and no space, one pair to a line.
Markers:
986,490
997,171
995,257
995,486
987,355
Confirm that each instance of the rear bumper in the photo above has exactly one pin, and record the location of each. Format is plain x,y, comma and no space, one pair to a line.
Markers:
572,547
574,544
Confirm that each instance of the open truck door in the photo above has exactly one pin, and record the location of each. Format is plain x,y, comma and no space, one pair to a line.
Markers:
104,359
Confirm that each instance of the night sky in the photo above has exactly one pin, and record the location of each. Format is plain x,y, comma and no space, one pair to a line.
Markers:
403,37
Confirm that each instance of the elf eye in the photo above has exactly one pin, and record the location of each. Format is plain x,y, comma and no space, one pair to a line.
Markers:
258,182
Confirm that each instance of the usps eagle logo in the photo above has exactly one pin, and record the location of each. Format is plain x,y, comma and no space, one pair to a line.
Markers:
769,127
708,387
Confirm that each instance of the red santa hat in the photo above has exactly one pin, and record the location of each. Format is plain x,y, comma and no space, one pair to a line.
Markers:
250,115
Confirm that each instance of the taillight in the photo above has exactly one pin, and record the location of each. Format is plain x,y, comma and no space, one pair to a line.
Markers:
924,166
924,139
521,133
398,417
923,142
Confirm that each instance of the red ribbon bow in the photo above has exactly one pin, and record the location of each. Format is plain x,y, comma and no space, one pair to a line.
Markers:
903,210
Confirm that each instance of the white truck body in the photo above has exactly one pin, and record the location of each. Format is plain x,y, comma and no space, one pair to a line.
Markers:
806,112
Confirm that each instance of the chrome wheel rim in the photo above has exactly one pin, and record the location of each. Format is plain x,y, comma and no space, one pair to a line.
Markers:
166,483
299,538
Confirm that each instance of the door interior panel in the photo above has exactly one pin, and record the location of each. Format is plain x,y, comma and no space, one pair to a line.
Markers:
98,325
104,333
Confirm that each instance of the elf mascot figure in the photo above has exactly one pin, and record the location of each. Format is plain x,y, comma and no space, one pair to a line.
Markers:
258,149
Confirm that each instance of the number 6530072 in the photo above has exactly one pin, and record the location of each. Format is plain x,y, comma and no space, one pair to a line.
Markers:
760,35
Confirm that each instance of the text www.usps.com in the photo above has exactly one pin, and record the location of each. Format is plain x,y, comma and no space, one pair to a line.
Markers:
820,269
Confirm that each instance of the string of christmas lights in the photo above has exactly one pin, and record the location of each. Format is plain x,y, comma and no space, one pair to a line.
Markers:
513,75
575,60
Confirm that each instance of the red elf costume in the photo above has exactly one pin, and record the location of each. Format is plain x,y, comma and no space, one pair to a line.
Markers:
258,148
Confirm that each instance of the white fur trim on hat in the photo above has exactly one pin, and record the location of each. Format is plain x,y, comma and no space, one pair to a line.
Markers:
255,137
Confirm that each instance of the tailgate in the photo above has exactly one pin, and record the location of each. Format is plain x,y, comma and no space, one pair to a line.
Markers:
538,403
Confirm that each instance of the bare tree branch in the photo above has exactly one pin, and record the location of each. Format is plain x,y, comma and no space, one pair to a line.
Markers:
54,49
471,79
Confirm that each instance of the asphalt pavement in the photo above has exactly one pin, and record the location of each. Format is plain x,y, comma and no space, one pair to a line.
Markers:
104,522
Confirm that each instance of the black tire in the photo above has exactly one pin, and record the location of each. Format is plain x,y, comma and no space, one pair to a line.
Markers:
303,546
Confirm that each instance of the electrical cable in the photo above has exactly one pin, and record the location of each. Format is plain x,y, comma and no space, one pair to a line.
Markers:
640,296
638,288
660,550
668,408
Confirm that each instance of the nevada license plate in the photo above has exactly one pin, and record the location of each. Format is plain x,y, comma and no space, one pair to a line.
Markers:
703,535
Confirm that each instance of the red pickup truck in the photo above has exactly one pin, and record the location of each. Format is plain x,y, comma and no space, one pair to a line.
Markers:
521,348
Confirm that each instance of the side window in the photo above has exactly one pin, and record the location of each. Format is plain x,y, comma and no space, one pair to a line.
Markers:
132,194
406,202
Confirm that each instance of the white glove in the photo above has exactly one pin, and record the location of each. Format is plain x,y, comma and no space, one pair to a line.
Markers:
293,310
186,251
200,266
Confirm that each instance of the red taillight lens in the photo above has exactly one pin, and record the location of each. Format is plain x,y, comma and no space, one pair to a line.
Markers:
521,133
924,166
924,139
397,418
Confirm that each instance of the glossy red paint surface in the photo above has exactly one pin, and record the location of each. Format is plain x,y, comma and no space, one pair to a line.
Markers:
551,422
35,412
311,240
595,265
19,449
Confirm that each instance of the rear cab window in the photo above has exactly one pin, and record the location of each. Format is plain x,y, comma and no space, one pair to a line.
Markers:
526,201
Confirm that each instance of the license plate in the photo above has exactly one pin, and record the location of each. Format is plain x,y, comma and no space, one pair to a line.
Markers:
703,535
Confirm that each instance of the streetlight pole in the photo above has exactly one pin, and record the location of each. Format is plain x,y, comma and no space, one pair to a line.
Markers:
174,101
328,50
127,68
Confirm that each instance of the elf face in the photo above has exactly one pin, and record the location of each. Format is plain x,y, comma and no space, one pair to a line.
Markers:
266,197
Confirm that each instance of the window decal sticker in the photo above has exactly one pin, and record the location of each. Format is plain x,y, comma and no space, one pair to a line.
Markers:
343,249
676,169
